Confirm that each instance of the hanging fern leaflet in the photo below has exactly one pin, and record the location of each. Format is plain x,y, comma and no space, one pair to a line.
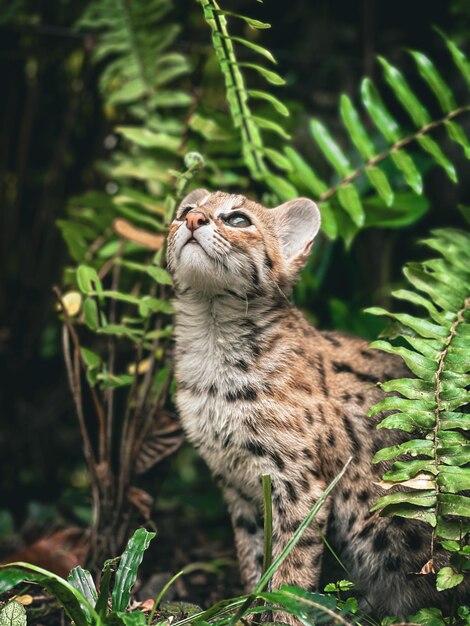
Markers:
344,194
429,405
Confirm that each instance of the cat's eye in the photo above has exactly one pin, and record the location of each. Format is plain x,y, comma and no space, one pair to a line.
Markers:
184,212
238,220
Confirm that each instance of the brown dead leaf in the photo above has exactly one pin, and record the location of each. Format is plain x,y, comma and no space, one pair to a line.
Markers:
147,605
142,501
58,552
428,568
126,230
164,438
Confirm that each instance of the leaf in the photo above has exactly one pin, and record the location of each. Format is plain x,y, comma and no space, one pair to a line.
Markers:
13,614
405,95
88,280
330,148
413,447
82,580
452,504
159,274
429,617
435,81
349,198
448,578
306,176
458,56
257,24
253,46
271,126
163,439
90,313
70,598
126,574
425,498
269,75
263,95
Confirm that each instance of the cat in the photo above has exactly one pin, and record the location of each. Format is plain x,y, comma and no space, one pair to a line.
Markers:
260,391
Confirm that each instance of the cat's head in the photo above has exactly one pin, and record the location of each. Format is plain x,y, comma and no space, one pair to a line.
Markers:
221,241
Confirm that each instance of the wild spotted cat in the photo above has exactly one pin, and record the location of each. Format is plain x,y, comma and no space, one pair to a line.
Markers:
260,391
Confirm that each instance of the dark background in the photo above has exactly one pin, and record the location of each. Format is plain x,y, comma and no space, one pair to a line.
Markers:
52,130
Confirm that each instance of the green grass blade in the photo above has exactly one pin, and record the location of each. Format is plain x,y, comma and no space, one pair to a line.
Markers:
126,574
268,522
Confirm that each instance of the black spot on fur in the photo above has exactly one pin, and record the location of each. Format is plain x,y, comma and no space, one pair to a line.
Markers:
291,492
365,532
321,412
346,493
277,460
352,520
245,393
356,444
322,375
313,472
380,541
332,339
226,441
246,524
392,563
346,396
242,365
259,560
308,454
212,391
302,386
363,496
306,541
413,539
364,378
255,448
304,484
331,439
308,416
360,398
268,261
316,560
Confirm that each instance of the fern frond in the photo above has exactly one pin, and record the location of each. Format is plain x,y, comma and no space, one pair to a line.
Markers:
134,44
428,406
256,153
343,203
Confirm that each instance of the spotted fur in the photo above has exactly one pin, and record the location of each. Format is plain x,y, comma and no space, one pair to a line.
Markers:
260,391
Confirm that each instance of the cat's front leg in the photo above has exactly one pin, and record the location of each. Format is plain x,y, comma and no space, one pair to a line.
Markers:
302,566
249,537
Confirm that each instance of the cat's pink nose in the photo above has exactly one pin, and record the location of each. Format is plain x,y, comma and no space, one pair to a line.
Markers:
195,219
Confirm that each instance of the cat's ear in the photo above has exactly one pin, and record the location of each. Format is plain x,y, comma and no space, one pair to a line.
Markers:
298,222
194,198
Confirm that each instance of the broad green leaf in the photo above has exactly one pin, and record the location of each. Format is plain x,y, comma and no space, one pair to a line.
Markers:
126,574
422,326
429,617
150,305
435,81
13,613
330,148
414,447
101,606
92,360
455,455
457,134
452,529
329,224
263,95
82,580
349,199
421,366
356,130
410,421
269,75
90,313
69,597
88,280
448,578
451,546
281,187
405,95
254,46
